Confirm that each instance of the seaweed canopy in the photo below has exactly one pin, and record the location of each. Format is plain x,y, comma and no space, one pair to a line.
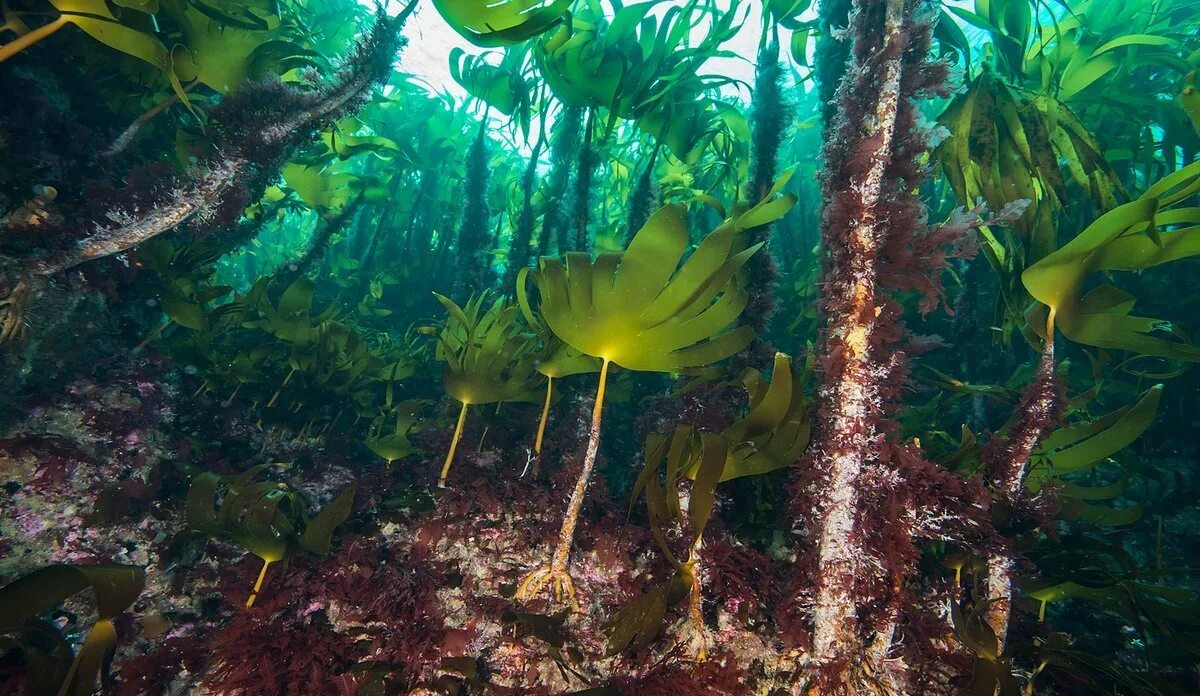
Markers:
488,357
52,668
773,433
643,311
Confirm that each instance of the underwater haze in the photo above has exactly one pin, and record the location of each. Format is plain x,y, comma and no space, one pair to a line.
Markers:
541,347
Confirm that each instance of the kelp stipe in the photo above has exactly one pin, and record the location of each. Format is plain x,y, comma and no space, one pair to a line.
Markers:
871,216
247,154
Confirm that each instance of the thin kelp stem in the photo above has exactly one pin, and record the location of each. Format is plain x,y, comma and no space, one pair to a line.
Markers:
541,431
123,141
153,334
558,572
486,428
23,42
462,418
1035,412
262,575
286,380
567,535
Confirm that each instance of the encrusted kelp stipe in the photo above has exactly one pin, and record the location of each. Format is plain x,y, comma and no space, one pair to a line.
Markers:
253,129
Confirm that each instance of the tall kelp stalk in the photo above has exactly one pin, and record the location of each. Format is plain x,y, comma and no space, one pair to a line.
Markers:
870,499
769,117
644,199
254,130
326,228
833,53
423,218
581,193
562,155
474,241
1007,461
519,248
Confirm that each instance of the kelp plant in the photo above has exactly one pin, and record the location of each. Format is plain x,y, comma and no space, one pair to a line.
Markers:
773,433
54,667
267,518
642,311
488,356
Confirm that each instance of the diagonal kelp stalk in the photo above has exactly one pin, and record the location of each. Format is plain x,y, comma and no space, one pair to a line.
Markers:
255,129
326,228
1008,467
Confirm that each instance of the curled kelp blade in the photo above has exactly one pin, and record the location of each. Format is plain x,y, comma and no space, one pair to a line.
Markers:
116,587
490,24
647,308
1138,235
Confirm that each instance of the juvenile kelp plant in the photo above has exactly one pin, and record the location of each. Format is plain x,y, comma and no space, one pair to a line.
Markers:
813,347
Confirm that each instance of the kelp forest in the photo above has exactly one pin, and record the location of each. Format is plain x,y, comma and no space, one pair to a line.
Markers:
657,348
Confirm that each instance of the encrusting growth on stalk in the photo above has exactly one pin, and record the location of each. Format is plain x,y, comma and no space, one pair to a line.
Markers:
255,129
867,499
1036,412
852,389
557,574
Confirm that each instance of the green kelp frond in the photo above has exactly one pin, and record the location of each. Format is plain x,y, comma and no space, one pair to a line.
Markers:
488,358
775,431
1007,144
393,444
487,354
502,23
555,358
291,319
1138,235
267,518
646,308
52,667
